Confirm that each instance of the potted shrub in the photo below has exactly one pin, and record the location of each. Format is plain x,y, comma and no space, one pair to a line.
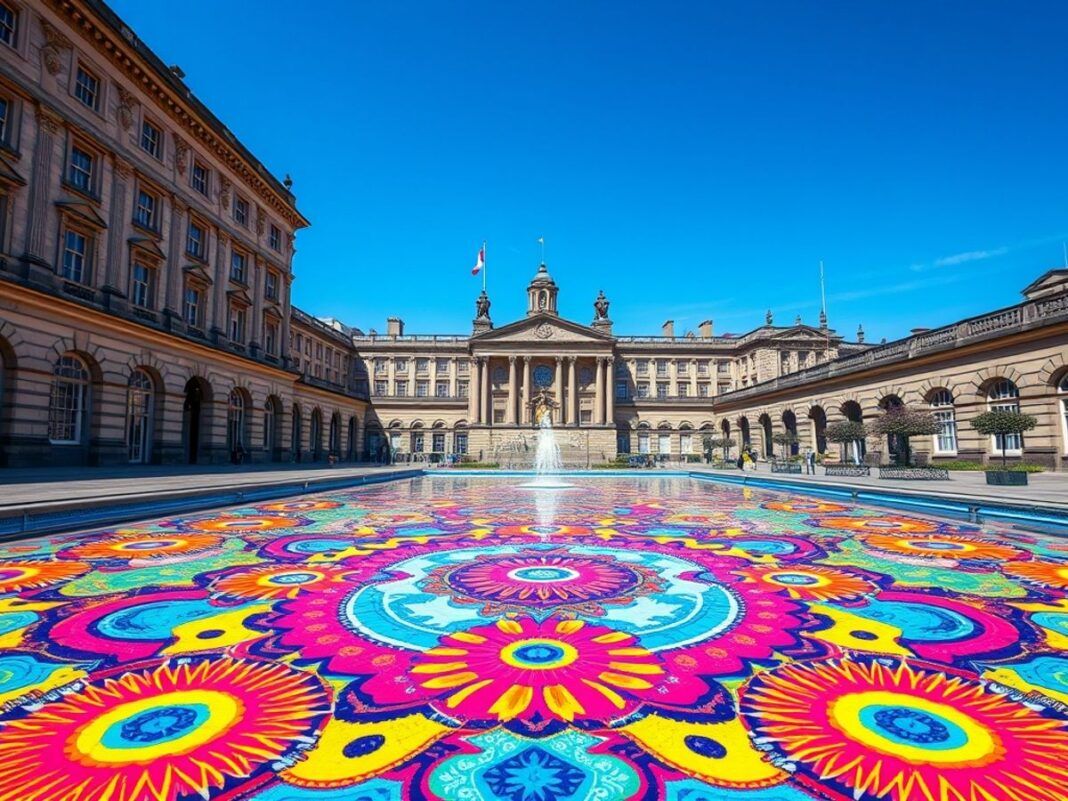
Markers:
904,423
1003,423
785,440
846,433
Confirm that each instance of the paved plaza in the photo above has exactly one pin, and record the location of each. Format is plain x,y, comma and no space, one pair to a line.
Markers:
466,638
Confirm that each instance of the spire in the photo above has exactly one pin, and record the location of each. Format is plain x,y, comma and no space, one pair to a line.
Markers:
768,318
860,333
823,318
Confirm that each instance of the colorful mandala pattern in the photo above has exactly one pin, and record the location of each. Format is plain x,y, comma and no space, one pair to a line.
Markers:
464,639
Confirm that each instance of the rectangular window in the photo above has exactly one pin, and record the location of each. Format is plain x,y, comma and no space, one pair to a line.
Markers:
198,178
643,442
270,338
662,390
274,238
461,389
402,389
498,416
442,366
5,119
195,240
237,324
663,443
381,365
621,390
682,368
151,139
237,266
141,285
702,390
422,389
80,173
463,367
75,256
661,367
87,88
684,390
380,388
642,366
145,211
459,442
400,365
643,390
241,211
270,285
191,306
702,367
9,21
441,389
438,442
946,438
422,365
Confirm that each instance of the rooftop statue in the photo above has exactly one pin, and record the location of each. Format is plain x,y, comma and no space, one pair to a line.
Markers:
600,306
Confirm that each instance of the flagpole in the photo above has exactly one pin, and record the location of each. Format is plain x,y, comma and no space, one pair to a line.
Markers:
485,265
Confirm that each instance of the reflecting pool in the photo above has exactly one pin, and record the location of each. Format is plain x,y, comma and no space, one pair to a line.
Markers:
469,638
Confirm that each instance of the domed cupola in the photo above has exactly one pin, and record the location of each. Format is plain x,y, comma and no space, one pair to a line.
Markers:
541,293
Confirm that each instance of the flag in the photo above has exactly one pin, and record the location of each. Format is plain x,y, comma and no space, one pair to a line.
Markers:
480,262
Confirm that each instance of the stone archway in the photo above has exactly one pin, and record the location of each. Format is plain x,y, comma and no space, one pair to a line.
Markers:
195,432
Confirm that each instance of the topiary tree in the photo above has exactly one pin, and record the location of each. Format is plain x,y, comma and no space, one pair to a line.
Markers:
712,442
845,432
1002,423
786,440
904,422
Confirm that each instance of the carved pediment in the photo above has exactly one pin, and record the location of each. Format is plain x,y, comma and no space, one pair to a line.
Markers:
83,211
543,328
8,174
198,273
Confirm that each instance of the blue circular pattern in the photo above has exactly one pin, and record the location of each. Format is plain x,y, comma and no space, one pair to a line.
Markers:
913,727
159,725
538,653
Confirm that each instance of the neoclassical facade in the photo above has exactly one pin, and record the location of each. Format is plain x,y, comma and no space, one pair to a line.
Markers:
610,394
145,267
146,316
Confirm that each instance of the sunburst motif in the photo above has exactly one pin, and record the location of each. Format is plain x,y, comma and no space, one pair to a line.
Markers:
941,546
277,581
17,575
811,582
162,733
145,545
906,733
1047,574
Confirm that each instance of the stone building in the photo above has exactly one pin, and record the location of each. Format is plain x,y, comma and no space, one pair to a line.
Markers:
145,315
145,267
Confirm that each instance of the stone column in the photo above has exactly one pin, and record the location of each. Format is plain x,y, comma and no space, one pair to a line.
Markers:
485,399
453,368
572,393
524,412
598,398
513,392
255,339
222,281
473,403
610,398
693,377
391,377
172,270
48,125
673,378
286,289
112,282
558,389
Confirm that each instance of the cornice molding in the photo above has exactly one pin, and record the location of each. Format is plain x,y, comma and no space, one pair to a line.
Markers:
80,17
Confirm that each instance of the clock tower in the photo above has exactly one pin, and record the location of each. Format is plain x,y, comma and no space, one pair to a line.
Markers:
541,293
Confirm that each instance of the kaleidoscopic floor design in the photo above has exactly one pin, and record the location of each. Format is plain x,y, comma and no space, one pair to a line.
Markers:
473,640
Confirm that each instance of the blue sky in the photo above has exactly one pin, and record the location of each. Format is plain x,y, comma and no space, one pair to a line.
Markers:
693,160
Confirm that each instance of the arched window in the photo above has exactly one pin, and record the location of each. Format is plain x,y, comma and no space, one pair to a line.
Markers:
945,441
1062,389
1004,396
335,435
235,422
139,396
316,444
67,404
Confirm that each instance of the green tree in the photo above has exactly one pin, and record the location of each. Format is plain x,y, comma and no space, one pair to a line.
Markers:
846,432
1002,423
905,422
786,440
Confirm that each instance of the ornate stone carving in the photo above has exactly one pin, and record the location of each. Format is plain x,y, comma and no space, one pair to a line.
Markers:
261,221
48,120
55,43
224,192
544,331
125,110
181,155
600,307
482,306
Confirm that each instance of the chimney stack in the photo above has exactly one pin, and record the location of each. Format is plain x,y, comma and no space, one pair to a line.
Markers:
668,329
395,327
706,329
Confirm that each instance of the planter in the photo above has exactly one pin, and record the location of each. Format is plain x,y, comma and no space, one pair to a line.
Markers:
786,467
847,470
914,473
1006,478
